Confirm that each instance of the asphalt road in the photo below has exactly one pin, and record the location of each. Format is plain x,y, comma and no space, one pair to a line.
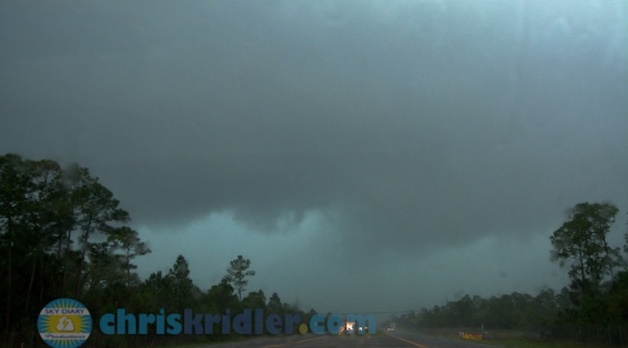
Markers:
397,339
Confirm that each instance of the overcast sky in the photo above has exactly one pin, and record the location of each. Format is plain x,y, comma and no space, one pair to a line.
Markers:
365,155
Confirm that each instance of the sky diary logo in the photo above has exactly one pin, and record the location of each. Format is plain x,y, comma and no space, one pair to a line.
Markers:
66,323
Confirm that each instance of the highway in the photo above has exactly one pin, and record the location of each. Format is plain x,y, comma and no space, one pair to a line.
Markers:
397,339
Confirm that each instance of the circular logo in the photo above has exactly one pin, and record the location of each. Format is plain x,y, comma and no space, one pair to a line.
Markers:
64,323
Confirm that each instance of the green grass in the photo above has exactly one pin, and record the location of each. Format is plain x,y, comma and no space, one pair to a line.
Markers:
198,344
527,343
192,345
514,339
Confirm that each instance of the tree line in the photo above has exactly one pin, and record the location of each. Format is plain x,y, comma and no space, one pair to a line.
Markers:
505,312
592,307
63,234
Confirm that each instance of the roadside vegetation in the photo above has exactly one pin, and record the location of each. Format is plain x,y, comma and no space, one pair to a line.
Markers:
526,343
592,309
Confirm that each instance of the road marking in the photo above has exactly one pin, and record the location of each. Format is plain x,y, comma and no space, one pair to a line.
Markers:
310,339
408,341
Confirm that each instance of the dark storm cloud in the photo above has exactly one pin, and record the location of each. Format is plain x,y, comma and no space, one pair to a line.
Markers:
432,122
